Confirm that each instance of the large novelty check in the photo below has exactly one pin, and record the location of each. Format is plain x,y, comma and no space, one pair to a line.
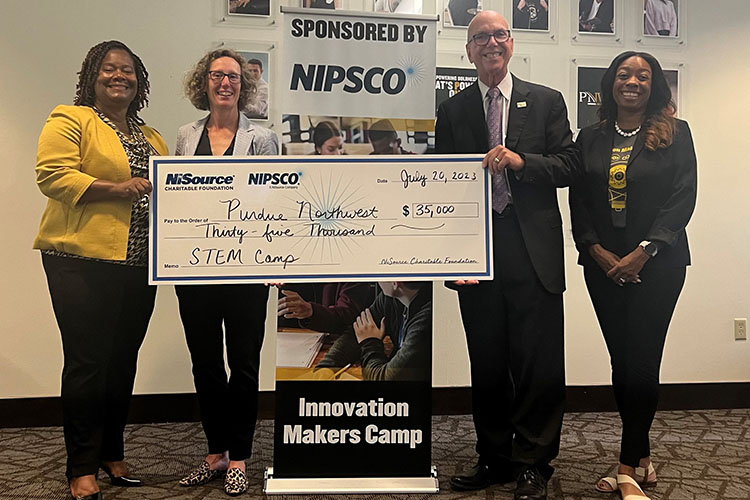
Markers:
319,218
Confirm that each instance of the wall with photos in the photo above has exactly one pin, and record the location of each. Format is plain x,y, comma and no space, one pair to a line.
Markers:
43,43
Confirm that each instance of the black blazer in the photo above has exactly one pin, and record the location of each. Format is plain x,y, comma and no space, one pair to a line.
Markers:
538,130
661,188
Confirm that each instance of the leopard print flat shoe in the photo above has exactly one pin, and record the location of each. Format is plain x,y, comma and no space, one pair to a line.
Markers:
201,475
236,482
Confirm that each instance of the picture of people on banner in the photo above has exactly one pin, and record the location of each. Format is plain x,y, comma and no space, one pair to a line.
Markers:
343,331
249,7
451,81
399,6
310,135
589,96
322,4
459,13
531,15
596,16
311,316
660,18
258,63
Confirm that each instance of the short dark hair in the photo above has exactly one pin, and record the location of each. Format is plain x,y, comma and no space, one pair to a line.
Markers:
660,109
382,129
322,132
256,61
196,81
85,88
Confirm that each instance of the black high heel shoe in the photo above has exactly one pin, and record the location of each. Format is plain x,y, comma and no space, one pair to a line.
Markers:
126,481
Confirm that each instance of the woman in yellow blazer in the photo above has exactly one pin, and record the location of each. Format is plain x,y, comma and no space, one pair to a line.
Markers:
92,164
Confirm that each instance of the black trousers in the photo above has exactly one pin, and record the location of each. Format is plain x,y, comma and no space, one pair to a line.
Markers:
103,311
229,407
634,319
514,331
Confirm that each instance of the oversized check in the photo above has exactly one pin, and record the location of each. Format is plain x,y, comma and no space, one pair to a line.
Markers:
319,218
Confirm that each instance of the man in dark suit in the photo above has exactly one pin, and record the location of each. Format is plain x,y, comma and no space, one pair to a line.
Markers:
514,323
596,15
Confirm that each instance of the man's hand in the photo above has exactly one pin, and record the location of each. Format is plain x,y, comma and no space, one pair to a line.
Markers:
500,157
626,271
292,306
466,282
365,327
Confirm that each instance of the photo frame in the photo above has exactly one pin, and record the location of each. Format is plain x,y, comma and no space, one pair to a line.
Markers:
397,6
254,8
661,18
597,17
531,15
260,65
666,16
459,13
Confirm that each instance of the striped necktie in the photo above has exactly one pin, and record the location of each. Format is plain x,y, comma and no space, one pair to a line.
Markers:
495,136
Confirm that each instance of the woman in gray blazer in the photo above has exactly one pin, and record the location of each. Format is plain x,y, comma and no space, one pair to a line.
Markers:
222,84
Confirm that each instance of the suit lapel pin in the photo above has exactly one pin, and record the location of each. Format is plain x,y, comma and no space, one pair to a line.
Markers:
521,104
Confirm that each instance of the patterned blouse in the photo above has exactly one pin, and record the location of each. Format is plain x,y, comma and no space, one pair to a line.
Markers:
138,150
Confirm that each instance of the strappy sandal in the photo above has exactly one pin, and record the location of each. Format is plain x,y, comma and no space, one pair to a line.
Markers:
609,484
625,479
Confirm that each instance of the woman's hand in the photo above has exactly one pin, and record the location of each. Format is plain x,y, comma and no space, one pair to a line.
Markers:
293,306
606,259
365,327
626,271
133,189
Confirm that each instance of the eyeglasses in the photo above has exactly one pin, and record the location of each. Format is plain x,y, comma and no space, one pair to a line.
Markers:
218,76
483,39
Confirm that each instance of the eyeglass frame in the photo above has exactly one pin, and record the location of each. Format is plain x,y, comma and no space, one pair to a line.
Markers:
490,35
233,77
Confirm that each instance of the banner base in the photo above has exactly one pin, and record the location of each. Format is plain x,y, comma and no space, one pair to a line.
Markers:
350,485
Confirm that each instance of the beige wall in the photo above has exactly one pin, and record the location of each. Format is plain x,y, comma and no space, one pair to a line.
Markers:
42,44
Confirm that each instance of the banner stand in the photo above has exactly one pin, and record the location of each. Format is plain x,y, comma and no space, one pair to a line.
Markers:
349,485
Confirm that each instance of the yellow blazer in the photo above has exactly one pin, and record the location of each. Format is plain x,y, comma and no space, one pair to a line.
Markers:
75,149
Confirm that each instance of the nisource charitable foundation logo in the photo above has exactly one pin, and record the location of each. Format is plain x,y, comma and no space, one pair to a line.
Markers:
187,181
274,179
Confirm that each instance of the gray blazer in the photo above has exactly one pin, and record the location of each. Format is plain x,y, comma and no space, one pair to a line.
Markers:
251,139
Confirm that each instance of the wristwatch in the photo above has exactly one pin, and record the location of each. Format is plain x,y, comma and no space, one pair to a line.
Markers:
649,248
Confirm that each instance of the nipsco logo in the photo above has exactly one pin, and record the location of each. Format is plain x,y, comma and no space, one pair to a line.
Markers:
323,77
274,179
188,179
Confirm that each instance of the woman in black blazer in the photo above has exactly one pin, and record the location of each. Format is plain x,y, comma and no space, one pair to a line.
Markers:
630,202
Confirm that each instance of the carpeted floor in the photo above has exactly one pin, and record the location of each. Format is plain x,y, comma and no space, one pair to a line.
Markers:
699,455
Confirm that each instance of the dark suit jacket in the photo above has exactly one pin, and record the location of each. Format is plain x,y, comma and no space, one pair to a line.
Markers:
538,130
605,14
661,188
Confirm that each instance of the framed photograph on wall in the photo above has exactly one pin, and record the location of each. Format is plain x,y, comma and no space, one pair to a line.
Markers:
459,13
398,6
261,8
531,15
661,18
259,64
588,95
596,17
322,4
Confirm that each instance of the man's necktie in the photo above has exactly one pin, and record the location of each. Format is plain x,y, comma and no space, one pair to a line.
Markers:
495,133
